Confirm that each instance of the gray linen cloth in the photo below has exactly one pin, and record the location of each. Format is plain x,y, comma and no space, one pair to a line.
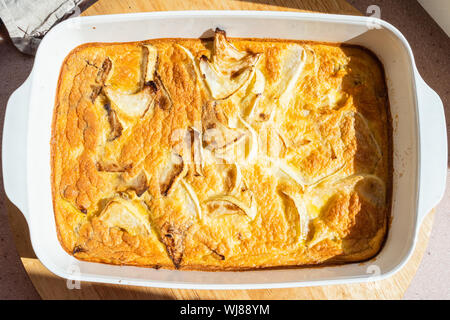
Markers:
27,21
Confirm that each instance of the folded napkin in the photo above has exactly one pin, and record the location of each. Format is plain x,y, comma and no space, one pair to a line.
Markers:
27,21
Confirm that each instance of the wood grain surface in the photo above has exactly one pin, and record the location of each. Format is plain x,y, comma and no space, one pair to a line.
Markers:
50,286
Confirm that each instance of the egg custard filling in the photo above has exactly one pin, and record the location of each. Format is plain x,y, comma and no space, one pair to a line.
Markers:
221,154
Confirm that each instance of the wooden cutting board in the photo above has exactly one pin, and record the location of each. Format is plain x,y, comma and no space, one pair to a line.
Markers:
50,286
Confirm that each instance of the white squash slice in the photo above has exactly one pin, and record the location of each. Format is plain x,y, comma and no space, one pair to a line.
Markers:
174,170
136,104
294,61
295,174
237,179
133,105
253,142
193,197
150,60
228,70
253,95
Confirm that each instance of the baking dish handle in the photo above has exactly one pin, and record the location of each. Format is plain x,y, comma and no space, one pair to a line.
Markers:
433,144
14,146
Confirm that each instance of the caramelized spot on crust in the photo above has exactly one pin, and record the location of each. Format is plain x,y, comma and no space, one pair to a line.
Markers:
173,238
116,126
77,249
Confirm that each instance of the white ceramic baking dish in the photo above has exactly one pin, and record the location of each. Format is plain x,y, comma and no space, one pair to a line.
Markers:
419,134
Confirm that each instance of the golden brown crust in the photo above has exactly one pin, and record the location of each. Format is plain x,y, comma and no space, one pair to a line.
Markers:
206,155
